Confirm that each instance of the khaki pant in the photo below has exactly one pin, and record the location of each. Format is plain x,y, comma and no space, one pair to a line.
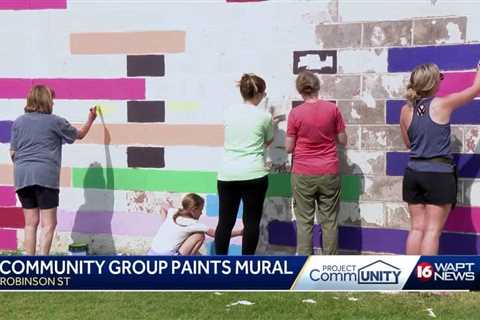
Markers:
323,192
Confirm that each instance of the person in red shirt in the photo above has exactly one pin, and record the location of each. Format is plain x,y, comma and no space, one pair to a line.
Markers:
314,129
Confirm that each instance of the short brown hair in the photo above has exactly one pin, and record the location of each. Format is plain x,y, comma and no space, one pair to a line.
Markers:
40,99
307,83
251,85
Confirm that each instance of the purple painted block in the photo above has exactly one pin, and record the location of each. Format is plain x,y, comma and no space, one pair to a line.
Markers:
350,238
459,244
467,164
468,114
396,163
449,57
373,239
393,111
5,131
282,233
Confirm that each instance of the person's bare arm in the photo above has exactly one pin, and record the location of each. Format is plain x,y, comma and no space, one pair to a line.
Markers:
405,116
92,115
342,138
289,144
211,232
237,232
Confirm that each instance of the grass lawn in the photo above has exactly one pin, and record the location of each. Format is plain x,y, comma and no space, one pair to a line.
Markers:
208,305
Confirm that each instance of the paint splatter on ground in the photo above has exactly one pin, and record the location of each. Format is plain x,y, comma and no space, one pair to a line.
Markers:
240,302
309,301
390,292
430,313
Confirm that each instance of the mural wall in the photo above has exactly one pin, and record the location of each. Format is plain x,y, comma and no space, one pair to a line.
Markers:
164,71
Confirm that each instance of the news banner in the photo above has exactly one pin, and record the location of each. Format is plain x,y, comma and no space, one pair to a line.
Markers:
295,273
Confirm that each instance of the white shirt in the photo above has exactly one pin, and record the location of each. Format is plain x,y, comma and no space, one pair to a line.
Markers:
171,235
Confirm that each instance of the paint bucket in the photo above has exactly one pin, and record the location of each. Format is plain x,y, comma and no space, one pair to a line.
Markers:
78,249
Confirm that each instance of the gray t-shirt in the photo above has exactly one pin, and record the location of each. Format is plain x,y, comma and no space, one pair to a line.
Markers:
37,140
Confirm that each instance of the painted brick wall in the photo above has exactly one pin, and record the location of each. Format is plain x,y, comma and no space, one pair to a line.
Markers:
373,56
164,71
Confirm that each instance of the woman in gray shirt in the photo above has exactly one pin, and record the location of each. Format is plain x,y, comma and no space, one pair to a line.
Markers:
36,151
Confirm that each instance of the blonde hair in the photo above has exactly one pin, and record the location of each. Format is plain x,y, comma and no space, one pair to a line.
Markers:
40,99
424,81
251,85
189,202
307,83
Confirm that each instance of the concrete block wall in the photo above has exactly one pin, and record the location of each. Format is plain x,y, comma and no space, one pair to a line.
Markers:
163,98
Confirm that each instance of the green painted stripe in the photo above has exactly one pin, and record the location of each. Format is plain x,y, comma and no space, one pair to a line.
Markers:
185,181
279,185
145,179
351,186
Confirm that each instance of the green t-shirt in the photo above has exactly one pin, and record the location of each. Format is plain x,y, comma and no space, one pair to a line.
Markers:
247,128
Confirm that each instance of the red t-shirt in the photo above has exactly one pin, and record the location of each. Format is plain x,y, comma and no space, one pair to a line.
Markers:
314,126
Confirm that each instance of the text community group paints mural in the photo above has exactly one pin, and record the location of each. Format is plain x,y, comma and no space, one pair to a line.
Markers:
164,71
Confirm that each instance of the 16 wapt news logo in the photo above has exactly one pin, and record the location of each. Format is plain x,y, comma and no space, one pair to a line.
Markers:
445,271
355,273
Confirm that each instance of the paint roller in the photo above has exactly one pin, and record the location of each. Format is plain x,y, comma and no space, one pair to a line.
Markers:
101,110
278,113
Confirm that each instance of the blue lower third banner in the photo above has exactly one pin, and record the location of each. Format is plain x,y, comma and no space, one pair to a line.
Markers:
298,273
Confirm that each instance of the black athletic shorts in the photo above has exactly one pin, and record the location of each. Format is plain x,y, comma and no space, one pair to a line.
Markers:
429,187
38,197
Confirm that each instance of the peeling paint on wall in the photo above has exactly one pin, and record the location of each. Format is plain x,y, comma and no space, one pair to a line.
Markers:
362,51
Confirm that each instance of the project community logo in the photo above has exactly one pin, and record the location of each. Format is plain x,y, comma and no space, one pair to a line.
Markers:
445,271
377,273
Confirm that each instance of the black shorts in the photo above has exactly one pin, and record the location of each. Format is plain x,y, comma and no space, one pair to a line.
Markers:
429,187
40,197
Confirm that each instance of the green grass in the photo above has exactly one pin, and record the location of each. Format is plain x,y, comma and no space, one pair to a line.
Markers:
207,305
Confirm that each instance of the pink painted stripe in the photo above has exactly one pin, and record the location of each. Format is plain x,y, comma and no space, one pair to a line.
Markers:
455,81
11,88
109,89
7,196
32,4
48,4
8,239
464,219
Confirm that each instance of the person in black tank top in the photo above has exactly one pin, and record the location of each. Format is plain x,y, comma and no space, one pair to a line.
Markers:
429,183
